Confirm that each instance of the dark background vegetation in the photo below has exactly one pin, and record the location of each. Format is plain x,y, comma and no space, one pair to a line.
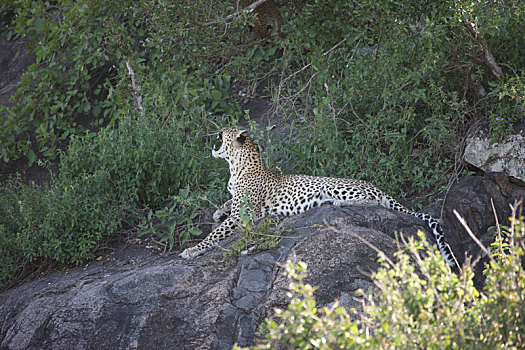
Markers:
125,98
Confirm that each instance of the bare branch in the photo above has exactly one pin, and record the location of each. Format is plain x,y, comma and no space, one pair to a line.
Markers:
476,35
233,15
472,235
136,89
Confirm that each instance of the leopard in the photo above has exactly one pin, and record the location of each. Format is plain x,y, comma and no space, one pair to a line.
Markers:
266,14
279,194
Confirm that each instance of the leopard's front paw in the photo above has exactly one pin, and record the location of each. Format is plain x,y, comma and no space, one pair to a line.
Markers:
188,253
219,215
222,213
193,252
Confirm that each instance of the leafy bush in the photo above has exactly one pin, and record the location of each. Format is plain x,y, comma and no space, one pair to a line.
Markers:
104,182
63,221
96,68
507,99
81,77
174,222
69,77
143,160
259,237
418,303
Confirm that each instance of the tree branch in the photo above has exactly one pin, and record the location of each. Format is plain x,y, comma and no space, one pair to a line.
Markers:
136,89
233,15
476,35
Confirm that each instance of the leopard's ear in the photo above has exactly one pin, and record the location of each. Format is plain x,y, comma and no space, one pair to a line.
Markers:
240,138
260,148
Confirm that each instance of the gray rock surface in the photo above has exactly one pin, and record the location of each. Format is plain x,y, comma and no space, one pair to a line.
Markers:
471,197
162,302
134,299
119,303
507,156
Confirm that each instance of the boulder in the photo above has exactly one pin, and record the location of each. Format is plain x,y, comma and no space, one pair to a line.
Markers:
136,299
506,156
138,302
472,198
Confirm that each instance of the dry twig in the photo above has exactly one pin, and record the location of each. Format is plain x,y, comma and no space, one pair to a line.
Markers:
136,88
472,235
476,35
233,15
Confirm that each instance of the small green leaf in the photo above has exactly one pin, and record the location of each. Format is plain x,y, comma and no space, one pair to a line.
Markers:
39,25
96,111
216,94
31,157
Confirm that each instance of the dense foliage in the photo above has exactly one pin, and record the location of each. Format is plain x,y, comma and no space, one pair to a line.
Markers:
126,96
389,87
421,305
104,183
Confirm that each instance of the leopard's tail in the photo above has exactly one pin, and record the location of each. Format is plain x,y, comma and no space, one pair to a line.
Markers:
443,246
433,224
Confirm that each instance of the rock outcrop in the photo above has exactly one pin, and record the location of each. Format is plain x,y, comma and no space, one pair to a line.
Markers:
134,299
472,198
506,156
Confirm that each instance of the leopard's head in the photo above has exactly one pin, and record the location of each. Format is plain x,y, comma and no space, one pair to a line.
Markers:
237,147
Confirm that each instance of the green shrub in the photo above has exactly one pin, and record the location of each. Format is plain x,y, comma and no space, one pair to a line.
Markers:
80,77
507,100
61,221
10,257
418,303
174,222
105,182
71,43
143,160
